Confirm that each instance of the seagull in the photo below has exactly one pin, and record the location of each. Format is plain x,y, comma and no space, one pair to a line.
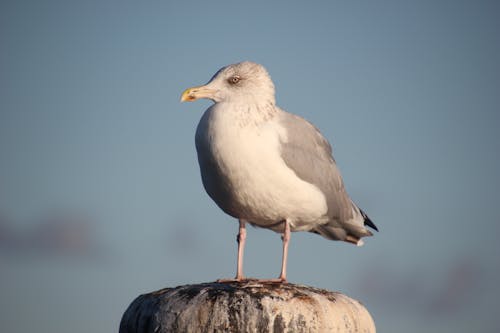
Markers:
267,167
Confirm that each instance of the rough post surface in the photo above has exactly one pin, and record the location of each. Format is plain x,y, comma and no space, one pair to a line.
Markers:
250,306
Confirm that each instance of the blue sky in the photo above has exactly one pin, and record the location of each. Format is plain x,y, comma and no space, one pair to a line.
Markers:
97,154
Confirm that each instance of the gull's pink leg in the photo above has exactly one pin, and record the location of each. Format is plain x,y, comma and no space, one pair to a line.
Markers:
286,240
242,235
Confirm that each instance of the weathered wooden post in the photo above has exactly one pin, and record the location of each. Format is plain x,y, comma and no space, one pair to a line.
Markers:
250,306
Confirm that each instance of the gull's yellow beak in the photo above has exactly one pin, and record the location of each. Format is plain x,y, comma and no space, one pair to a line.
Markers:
194,93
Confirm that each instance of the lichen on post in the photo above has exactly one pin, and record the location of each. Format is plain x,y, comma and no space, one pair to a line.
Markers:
249,306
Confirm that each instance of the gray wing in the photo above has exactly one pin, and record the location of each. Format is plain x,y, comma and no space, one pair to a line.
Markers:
310,156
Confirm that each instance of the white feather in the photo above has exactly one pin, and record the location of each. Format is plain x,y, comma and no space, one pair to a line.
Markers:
262,183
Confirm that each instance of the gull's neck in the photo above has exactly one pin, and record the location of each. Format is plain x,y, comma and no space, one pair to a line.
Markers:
249,113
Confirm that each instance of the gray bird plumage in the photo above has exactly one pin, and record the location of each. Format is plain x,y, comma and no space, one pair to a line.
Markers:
310,156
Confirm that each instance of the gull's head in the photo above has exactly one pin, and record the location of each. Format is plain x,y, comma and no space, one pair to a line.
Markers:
244,82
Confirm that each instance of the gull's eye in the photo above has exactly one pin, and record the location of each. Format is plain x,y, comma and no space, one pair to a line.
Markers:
234,79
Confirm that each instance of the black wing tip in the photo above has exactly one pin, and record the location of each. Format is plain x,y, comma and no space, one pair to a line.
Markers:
368,222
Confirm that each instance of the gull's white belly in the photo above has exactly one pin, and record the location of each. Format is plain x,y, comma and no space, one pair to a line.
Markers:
261,187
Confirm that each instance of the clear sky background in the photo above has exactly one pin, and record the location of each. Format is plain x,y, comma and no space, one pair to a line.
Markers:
100,194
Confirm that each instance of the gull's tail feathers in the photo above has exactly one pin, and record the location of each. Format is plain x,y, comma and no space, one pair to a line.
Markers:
350,235
347,232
